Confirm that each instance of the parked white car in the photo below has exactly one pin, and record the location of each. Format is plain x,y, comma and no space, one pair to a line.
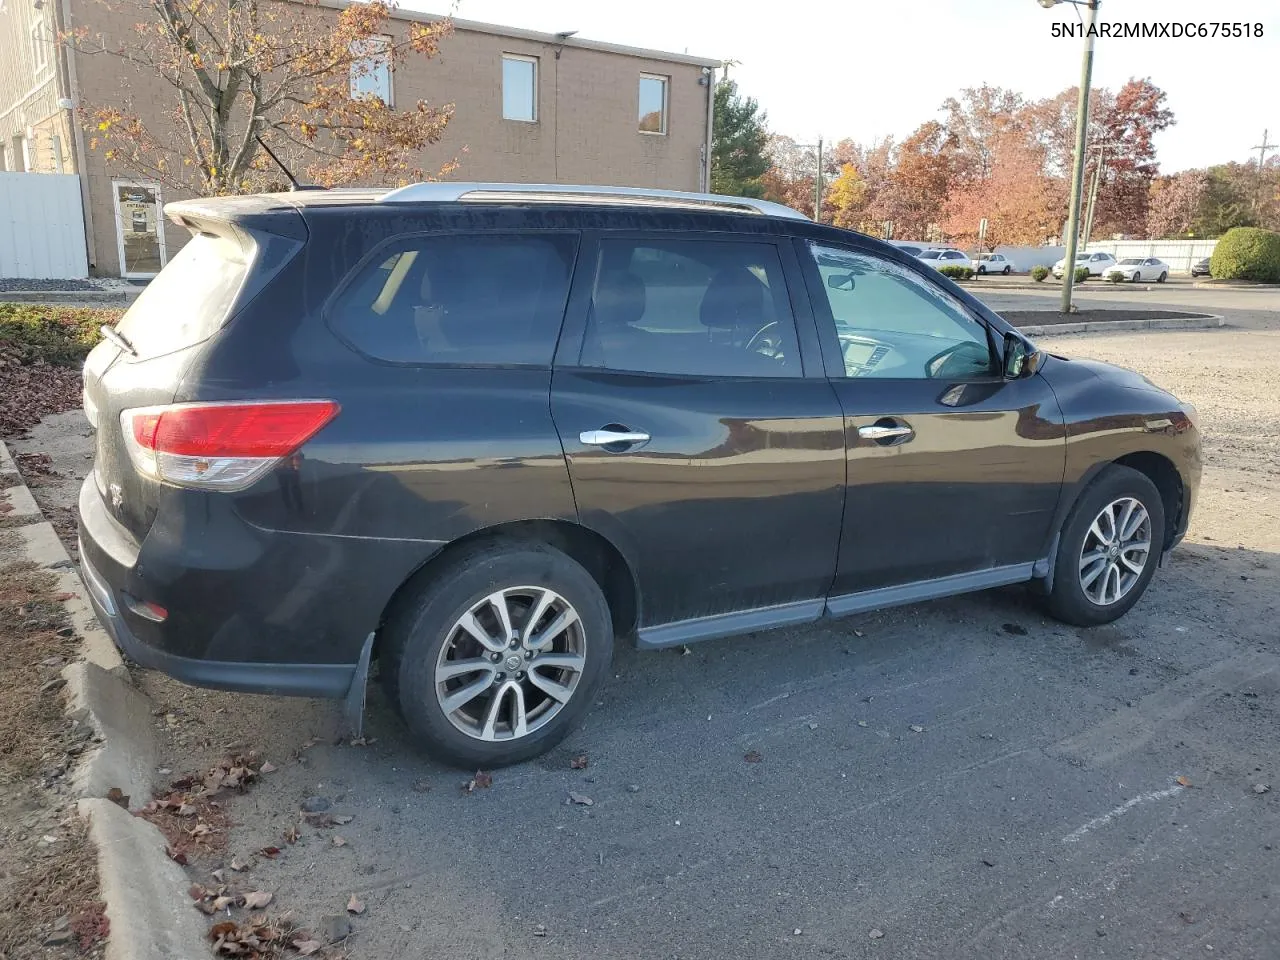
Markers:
943,258
1098,263
1134,269
993,263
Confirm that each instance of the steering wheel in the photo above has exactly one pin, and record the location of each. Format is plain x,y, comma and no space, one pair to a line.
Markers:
765,344
965,359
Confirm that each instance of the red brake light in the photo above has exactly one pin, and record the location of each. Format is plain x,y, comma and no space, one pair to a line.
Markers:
271,429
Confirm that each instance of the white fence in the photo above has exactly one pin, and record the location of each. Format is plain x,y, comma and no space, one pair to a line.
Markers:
42,227
1178,254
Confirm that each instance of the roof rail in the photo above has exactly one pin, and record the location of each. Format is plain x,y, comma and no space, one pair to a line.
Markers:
445,192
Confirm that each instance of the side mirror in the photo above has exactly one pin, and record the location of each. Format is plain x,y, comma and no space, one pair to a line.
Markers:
840,281
1021,358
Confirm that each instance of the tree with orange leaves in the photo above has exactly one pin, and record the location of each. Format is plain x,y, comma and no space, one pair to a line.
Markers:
287,72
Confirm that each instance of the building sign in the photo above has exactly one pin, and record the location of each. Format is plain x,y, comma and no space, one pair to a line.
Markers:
139,233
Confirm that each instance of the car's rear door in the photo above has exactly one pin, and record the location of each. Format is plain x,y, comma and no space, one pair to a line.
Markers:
953,470
701,434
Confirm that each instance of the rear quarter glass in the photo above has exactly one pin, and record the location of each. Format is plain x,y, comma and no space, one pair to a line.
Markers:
190,298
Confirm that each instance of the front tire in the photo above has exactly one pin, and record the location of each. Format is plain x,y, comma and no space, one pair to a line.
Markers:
1007,270
500,656
1162,278
1109,548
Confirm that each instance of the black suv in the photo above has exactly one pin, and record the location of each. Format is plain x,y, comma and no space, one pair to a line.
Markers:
477,432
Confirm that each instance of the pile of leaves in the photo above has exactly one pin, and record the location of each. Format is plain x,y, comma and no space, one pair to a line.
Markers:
190,813
42,348
259,938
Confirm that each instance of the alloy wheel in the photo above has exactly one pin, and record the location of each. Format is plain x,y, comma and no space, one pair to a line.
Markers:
510,664
1115,552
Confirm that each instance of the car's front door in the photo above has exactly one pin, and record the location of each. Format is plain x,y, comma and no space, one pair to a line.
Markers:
954,471
701,434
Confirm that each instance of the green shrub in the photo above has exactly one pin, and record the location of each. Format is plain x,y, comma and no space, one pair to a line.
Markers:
61,336
1082,274
1247,253
1038,273
1115,276
956,272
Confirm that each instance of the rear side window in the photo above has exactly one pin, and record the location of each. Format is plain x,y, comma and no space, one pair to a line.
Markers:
189,299
460,300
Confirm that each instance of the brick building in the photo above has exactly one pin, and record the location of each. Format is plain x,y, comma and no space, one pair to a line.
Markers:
529,107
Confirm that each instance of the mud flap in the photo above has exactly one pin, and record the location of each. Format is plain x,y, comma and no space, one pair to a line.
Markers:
353,705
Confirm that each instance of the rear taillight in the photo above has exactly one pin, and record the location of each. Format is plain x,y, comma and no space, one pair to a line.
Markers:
219,446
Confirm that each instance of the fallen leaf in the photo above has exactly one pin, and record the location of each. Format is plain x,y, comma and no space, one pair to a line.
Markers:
269,852
580,799
205,906
176,856
186,810
238,865
222,929
291,835
481,780
342,818
222,902
1182,781
6,507
363,741
307,947
858,633
916,728
60,597
579,762
267,768
1014,629
862,723
217,874
1261,787
876,934
354,905
197,892
118,797
339,841
257,899
540,930
1186,917
752,756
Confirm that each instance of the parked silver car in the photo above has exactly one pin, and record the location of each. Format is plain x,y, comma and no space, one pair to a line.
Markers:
1134,269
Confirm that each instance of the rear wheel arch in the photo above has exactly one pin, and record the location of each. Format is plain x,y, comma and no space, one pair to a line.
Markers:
597,555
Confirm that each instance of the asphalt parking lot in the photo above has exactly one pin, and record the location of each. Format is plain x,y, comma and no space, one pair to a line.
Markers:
964,778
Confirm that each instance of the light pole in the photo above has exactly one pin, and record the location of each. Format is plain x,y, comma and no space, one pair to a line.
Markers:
1082,130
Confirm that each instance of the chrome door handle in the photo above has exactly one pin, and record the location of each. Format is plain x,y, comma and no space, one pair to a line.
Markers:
603,438
877,432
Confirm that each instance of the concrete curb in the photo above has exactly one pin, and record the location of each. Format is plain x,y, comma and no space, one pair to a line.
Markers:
104,297
1105,326
145,892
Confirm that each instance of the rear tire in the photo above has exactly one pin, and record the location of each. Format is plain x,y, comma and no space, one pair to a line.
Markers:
451,652
1095,580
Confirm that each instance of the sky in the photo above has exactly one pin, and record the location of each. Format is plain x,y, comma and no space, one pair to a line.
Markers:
868,69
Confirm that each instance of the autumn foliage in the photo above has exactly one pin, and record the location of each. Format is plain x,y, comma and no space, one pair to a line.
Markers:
282,71
992,155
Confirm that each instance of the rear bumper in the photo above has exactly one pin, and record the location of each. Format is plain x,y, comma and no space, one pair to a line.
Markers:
281,679
249,609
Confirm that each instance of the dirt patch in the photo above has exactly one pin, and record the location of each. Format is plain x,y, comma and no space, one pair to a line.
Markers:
48,872
1023,318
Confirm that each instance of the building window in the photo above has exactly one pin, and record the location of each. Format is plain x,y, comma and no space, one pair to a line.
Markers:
653,104
39,46
371,71
519,87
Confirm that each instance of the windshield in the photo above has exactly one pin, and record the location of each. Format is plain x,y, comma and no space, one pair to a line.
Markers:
931,255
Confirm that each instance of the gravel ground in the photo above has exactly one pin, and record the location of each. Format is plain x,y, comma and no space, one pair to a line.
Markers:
964,778
1021,318
27,283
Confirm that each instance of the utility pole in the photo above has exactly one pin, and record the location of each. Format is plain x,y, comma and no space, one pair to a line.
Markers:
1077,172
1093,193
1263,149
817,187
